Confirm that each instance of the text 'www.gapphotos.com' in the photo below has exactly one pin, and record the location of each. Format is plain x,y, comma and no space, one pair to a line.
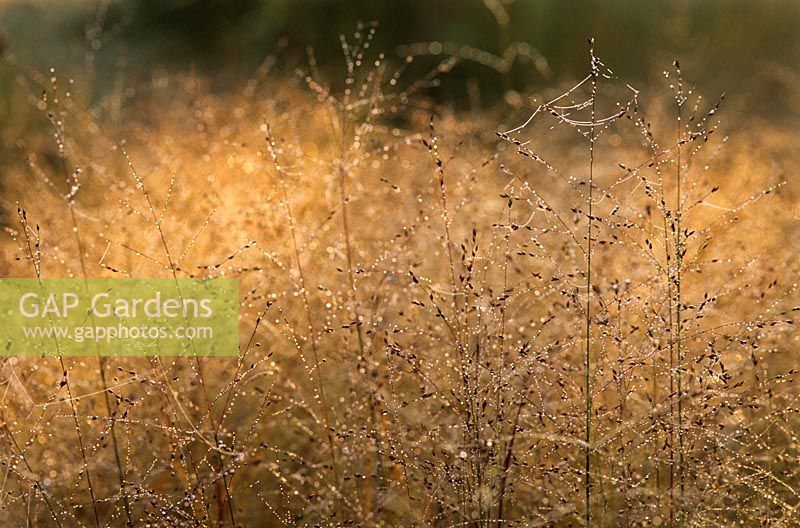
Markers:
79,334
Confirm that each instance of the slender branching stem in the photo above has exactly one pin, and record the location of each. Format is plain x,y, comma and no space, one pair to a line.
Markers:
679,251
586,357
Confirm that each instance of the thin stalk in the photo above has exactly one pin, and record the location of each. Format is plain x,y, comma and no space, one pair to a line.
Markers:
102,367
65,375
362,351
586,357
507,464
353,299
272,146
678,265
227,500
671,322
507,461
58,126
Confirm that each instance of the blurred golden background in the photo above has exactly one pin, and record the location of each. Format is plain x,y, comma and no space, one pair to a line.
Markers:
485,280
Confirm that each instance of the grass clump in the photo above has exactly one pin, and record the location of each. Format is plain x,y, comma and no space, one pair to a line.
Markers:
563,323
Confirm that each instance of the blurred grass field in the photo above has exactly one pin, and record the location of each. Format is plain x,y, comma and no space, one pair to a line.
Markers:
453,268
